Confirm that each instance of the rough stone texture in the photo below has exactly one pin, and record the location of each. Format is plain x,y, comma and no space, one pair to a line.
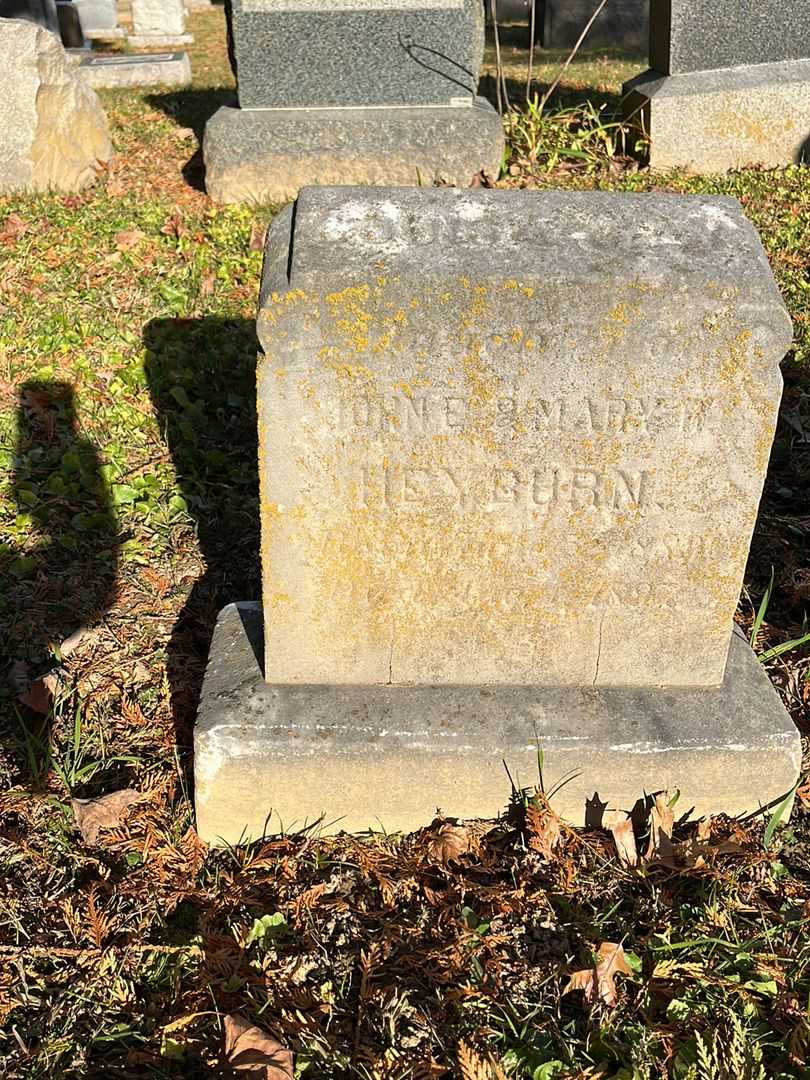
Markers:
622,24
511,437
357,53
695,35
268,757
711,121
53,131
266,155
159,22
41,12
99,19
152,69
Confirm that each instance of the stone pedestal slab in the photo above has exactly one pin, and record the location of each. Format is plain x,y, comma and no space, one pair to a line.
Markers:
267,155
711,121
273,757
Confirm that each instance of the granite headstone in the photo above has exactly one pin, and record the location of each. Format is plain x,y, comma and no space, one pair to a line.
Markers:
728,85
342,53
622,24
344,91
42,12
512,447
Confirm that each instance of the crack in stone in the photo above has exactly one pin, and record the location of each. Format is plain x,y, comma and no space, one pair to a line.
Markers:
598,650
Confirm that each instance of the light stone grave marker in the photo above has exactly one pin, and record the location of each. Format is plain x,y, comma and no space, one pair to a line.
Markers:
99,19
512,447
352,91
728,85
159,22
149,69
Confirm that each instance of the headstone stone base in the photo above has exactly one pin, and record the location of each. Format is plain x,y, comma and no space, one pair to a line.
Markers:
155,69
711,121
359,757
267,155
140,41
106,33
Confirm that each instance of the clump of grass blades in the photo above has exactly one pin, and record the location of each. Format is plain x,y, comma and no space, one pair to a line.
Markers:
585,138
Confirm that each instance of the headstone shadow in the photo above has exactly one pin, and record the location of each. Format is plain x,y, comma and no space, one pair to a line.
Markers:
65,581
192,109
201,375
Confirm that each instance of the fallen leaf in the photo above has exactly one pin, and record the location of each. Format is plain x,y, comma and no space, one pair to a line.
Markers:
545,829
625,842
661,821
105,812
258,232
12,227
40,694
128,239
473,1066
448,843
598,983
250,1049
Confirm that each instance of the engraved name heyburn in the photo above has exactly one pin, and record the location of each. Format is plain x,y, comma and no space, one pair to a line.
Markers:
539,489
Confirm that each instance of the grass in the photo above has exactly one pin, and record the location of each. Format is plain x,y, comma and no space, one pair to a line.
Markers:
129,510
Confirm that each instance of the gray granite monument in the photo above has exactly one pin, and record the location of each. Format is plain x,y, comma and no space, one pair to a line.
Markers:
512,447
728,85
622,24
337,91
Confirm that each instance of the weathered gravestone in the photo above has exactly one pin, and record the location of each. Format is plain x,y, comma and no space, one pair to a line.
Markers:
512,447
53,131
622,24
149,69
339,91
729,84
159,22
99,19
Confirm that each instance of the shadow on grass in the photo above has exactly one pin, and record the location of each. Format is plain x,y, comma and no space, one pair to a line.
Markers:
201,375
192,109
66,581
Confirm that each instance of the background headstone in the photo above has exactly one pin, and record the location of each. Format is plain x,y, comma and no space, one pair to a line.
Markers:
728,85
99,19
343,91
622,24
70,26
347,54
149,69
159,22
42,12
511,452
53,131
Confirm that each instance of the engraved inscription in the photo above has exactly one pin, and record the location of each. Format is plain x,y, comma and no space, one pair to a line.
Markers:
541,490
423,414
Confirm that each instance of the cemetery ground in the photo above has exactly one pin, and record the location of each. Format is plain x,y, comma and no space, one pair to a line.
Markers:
129,516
